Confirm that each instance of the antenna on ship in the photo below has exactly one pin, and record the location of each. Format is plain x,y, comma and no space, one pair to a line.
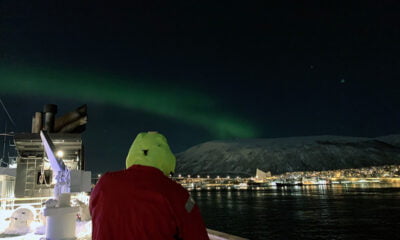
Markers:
4,143
8,115
5,134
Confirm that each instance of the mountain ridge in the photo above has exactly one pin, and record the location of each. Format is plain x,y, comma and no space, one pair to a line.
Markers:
278,155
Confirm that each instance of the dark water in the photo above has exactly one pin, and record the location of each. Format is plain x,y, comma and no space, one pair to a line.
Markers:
329,212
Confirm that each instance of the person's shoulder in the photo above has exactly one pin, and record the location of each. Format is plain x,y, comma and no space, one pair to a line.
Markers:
111,176
115,173
176,189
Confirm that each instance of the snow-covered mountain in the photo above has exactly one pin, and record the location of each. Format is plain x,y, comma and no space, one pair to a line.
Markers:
280,155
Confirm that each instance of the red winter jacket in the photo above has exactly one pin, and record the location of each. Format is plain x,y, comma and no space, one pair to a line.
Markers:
142,203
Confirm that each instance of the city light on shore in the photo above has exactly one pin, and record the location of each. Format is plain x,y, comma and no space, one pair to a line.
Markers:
383,174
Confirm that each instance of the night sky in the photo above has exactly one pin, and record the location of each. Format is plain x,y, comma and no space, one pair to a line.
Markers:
198,71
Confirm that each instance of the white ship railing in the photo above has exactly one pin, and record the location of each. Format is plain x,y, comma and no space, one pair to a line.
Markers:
215,235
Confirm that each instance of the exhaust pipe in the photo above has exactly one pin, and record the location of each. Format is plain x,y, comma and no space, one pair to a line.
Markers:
37,124
50,111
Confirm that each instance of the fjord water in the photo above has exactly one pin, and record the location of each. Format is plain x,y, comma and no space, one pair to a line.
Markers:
357,211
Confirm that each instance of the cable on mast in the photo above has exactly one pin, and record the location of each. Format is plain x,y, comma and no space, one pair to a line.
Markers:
5,110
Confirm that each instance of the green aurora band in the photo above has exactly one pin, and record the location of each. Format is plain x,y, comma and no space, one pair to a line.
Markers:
164,100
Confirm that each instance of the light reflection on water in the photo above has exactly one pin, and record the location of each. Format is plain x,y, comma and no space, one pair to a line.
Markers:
351,211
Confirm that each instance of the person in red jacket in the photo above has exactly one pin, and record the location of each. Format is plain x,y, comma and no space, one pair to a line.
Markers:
142,202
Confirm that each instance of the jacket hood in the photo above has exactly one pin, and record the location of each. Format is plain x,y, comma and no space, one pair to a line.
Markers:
151,149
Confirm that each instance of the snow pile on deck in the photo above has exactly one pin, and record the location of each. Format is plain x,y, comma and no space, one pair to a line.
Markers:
36,231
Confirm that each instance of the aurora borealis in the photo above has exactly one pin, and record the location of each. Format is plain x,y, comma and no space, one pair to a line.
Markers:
169,101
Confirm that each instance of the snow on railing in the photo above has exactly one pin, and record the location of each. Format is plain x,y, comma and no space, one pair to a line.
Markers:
215,235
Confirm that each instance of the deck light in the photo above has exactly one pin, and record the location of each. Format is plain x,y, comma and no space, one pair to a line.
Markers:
60,154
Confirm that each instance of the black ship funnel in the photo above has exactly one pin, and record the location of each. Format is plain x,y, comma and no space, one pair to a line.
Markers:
50,111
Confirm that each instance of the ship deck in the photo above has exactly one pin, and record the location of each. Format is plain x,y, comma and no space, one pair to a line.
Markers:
84,233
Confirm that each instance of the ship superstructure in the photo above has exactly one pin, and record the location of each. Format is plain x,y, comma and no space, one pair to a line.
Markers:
34,177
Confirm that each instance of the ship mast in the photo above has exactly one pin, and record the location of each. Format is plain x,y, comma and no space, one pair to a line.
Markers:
4,143
5,134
